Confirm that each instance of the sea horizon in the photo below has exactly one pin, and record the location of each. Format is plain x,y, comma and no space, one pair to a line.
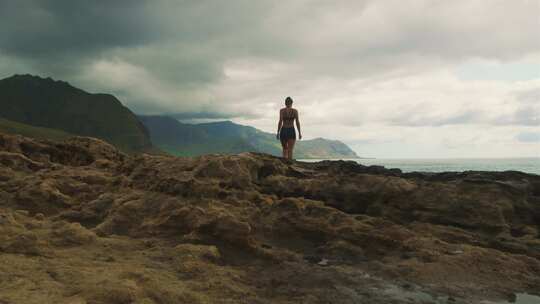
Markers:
529,165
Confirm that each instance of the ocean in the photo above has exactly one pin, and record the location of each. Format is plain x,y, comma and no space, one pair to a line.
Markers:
528,165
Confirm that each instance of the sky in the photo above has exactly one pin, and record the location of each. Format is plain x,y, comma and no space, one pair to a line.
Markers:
390,78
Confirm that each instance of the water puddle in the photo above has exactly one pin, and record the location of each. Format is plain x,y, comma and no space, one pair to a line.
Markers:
521,298
527,299
416,296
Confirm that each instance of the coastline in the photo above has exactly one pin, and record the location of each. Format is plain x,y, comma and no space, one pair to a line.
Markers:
524,164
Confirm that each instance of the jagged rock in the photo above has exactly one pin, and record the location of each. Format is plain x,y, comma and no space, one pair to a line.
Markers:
210,253
19,162
251,228
71,234
41,196
232,230
15,237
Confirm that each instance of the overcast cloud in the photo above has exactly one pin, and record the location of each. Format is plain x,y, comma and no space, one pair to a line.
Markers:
417,78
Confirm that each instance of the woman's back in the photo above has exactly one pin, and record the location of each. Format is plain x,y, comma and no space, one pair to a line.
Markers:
288,115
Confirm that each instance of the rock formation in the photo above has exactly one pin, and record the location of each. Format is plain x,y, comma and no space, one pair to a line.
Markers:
81,222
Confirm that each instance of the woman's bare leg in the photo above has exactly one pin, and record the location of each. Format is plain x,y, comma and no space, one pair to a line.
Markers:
290,147
284,147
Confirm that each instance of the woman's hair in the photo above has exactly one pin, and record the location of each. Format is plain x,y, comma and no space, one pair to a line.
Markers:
288,101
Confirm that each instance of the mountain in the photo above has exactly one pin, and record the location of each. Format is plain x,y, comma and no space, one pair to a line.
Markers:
47,109
325,148
227,137
12,127
46,103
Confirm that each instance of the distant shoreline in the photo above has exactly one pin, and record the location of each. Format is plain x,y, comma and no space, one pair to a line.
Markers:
427,158
529,165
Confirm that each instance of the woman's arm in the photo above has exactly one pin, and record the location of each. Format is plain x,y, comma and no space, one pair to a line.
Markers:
280,123
298,125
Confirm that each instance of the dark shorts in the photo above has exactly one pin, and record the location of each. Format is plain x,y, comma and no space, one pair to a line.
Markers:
287,133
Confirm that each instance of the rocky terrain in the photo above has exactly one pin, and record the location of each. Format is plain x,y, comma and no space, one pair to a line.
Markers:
81,222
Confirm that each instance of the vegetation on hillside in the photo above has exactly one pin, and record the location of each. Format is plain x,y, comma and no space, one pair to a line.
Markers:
227,137
43,102
12,127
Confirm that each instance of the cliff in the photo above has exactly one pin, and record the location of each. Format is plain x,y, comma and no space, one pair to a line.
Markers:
44,103
183,139
81,222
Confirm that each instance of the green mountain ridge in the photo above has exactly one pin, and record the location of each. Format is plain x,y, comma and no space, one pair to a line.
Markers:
44,108
13,127
227,137
44,102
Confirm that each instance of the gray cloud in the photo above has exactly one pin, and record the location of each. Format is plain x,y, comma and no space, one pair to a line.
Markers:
528,137
528,116
51,29
417,117
167,56
176,39
207,115
530,96
523,116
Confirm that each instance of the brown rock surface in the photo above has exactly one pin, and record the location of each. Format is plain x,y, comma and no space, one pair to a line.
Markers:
81,222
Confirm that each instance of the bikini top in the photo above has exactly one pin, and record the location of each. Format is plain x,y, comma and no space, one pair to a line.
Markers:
289,115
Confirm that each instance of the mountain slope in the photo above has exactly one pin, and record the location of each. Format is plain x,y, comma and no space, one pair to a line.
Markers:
43,102
12,127
227,137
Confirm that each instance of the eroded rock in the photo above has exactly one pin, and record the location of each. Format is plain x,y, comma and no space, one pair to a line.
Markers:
90,224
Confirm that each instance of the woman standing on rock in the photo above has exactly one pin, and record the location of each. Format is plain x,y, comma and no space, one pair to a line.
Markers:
286,133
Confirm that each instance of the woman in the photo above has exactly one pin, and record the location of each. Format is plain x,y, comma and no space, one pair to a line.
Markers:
286,133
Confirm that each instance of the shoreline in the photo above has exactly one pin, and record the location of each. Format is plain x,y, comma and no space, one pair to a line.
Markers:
526,165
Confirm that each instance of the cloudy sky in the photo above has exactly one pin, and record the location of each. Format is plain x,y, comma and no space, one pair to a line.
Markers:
391,78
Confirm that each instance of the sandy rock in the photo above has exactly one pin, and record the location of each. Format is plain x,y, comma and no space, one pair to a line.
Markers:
179,221
41,197
251,228
112,292
65,234
99,149
19,162
15,237
210,253
232,230
24,242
